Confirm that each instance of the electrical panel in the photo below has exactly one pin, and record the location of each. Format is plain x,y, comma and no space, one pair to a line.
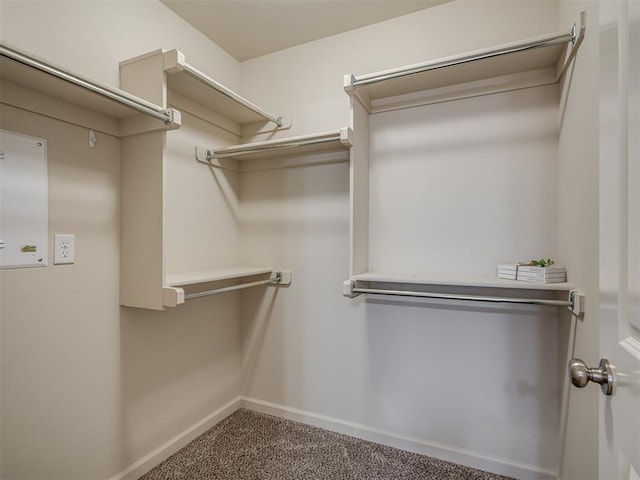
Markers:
24,203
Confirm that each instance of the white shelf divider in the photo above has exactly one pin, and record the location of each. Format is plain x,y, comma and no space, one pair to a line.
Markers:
165,78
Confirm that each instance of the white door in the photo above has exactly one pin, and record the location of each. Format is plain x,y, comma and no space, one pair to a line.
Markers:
620,236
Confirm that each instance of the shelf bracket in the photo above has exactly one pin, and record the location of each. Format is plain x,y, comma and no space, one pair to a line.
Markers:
576,300
347,289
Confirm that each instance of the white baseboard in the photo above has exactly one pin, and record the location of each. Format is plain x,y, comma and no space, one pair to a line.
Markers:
164,451
432,449
440,451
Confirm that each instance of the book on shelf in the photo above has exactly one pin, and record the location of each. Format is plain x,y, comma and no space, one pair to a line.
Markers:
529,273
532,279
530,268
534,275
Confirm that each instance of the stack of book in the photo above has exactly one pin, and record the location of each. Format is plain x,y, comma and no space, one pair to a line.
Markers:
528,273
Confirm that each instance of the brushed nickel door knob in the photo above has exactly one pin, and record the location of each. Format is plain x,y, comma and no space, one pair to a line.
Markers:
581,375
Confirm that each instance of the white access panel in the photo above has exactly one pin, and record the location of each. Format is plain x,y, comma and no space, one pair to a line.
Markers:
24,228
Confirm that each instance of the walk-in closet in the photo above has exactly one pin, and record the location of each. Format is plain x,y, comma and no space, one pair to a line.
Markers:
246,258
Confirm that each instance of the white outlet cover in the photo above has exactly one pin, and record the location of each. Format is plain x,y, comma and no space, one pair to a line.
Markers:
64,249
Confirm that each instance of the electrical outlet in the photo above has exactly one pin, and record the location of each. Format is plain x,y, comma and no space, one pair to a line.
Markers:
64,246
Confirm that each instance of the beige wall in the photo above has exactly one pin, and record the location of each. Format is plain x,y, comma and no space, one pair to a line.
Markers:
89,388
60,331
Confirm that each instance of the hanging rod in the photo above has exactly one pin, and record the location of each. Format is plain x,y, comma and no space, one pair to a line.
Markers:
475,298
202,78
110,93
575,303
277,145
278,279
547,41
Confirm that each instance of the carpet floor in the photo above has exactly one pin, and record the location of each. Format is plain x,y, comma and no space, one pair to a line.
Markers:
253,446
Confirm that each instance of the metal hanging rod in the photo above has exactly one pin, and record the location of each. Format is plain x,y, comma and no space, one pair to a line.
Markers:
547,41
275,280
474,298
261,148
202,78
110,93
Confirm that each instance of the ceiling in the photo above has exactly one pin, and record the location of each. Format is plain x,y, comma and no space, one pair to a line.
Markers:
251,28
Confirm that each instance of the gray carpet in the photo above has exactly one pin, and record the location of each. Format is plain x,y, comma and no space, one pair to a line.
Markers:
253,446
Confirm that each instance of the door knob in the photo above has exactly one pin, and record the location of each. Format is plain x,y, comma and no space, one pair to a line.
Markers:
581,375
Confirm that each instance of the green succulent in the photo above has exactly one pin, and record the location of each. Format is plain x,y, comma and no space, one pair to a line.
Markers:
541,263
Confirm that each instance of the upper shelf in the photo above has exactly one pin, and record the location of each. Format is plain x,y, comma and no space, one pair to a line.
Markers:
192,83
41,76
165,78
547,52
300,145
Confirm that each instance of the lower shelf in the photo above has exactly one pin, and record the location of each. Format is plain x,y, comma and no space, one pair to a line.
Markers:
459,281
173,294
386,284
204,276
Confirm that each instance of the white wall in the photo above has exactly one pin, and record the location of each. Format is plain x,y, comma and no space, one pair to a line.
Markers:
407,368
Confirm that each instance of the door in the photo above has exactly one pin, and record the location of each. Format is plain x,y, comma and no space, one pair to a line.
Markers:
619,431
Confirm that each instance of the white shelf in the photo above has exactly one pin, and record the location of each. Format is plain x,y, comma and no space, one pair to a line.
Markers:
174,295
191,83
204,276
324,142
538,61
460,281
